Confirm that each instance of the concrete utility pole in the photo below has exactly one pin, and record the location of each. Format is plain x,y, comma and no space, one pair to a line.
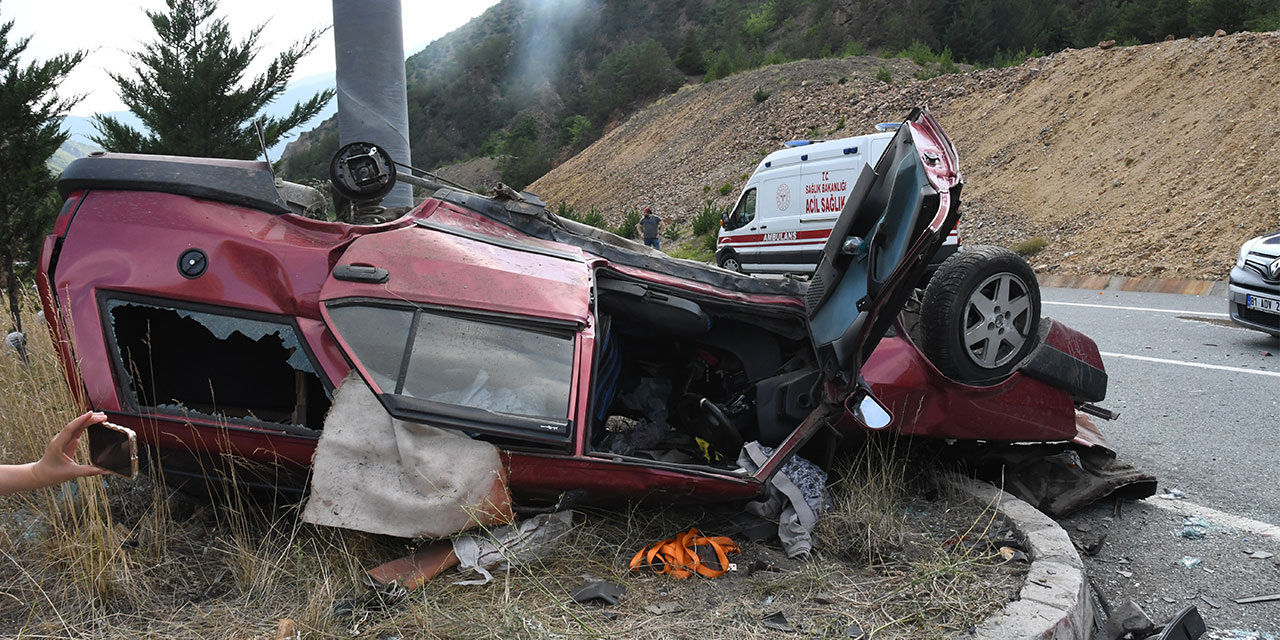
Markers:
372,102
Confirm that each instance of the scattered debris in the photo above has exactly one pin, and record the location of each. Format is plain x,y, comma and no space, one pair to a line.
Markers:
687,554
1238,634
1168,599
1210,601
762,565
1267,598
508,545
1129,620
412,571
855,632
1172,494
777,622
795,497
378,597
1186,625
1124,574
1191,562
1261,555
601,590
664,608
1012,555
1093,548
1265,353
1191,532
288,630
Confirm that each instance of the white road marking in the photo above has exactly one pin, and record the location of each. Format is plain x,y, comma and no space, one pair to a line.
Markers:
1198,365
1230,521
1123,308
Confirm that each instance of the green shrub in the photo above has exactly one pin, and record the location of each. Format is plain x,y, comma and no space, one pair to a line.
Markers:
884,75
855,48
760,95
919,53
726,188
1030,246
627,228
947,65
595,219
761,21
1008,59
840,123
707,219
671,233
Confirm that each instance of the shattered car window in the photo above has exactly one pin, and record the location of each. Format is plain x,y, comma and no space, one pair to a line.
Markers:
462,361
203,363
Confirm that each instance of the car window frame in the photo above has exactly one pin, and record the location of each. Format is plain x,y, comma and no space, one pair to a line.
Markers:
530,429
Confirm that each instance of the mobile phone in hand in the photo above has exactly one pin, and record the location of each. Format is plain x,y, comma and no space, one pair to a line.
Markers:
114,448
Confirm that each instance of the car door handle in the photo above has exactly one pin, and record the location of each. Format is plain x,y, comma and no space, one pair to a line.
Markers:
361,273
764,226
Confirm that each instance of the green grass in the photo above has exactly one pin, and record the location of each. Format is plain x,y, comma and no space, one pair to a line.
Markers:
1030,246
883,74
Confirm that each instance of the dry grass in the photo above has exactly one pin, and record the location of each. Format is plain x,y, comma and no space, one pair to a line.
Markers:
110,558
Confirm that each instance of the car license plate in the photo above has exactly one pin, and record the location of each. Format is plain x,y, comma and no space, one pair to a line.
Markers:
1260,303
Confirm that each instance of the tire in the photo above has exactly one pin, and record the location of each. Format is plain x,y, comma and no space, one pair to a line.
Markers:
980,314
729,261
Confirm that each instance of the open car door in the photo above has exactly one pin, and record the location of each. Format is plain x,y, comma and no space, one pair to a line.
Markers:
896,217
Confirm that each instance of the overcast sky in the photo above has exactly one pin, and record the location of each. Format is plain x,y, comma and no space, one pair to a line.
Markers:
110,28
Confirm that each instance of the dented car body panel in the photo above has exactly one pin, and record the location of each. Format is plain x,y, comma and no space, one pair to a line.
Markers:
596,365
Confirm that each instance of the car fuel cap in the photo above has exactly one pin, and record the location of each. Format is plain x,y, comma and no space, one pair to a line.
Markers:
192,263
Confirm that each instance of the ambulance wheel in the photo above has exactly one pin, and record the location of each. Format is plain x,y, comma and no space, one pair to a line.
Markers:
980,314
729,261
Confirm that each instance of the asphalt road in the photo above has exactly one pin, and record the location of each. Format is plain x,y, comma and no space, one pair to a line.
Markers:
1200,408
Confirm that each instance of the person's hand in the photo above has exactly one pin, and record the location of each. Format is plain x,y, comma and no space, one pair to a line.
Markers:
58,463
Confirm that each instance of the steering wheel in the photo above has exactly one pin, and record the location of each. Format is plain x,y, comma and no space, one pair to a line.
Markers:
721,426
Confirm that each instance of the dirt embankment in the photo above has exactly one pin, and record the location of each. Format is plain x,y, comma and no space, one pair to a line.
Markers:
1157,160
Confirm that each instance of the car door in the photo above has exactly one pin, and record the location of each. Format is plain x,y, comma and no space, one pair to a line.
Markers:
896,216
464,329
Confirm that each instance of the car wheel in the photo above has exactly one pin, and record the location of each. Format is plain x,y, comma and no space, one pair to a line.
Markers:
729,261
980,314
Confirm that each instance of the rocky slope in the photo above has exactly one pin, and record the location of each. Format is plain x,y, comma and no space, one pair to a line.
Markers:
1155,160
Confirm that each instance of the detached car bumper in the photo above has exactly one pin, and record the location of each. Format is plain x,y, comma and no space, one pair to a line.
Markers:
1243,284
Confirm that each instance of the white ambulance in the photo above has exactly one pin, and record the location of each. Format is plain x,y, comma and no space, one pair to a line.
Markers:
787,209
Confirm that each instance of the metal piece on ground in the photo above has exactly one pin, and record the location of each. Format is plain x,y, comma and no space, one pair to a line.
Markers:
601,590
1129,620
1187,625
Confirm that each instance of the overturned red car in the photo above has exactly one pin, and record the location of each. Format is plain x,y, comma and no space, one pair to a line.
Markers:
195,301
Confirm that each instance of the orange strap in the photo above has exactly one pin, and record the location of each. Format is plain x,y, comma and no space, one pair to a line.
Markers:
678,556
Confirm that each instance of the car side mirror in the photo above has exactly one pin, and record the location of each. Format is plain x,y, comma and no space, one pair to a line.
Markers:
869,412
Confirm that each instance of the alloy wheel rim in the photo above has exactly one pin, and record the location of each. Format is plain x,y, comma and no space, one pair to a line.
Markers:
997,320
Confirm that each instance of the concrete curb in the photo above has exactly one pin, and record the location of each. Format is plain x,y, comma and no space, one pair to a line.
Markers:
1122,283
1054,603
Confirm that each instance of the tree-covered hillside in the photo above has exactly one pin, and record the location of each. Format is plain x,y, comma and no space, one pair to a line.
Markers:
533,81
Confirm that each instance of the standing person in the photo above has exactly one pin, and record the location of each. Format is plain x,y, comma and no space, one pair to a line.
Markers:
648,228
58,463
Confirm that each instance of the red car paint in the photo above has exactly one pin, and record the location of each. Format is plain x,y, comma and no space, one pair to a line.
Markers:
282,265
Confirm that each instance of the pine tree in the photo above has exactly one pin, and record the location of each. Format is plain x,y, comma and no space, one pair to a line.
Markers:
30,132
188,88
